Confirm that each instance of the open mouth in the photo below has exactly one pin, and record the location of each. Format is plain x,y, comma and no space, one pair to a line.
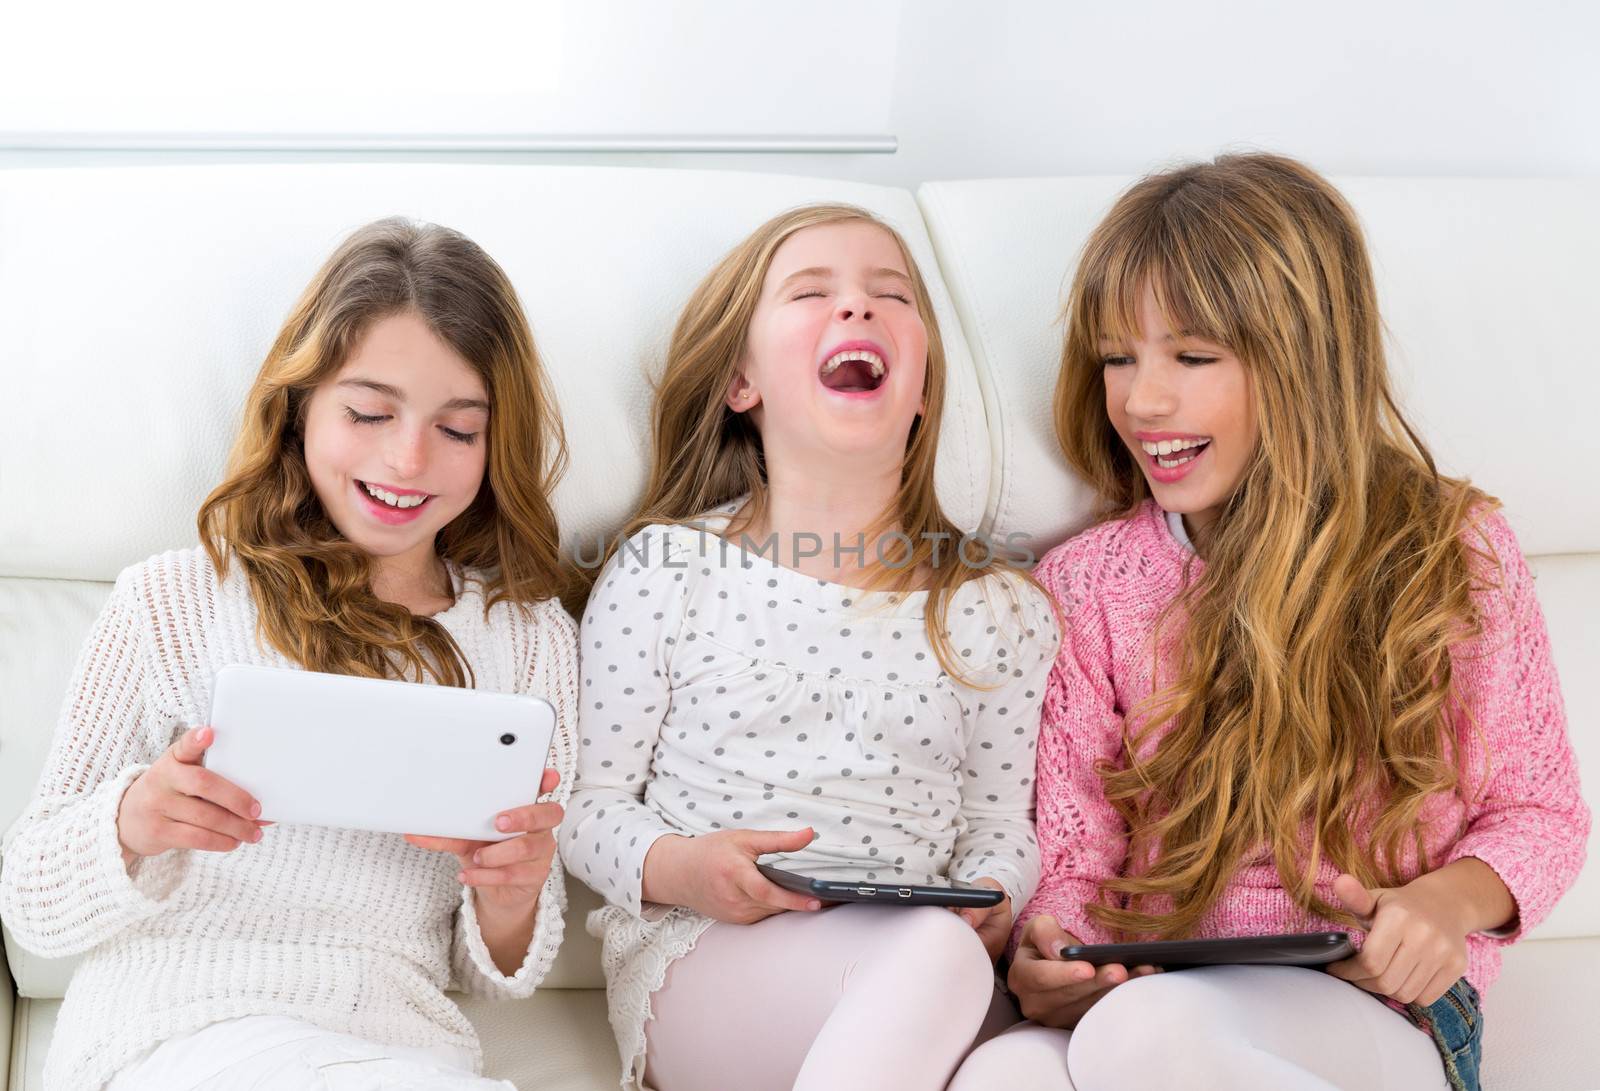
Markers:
854,371
1170,454
395,501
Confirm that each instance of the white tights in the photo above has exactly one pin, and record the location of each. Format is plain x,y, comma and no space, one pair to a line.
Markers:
1233,1027
854,996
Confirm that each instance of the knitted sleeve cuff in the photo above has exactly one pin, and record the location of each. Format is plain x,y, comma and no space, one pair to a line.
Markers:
476,971
67,887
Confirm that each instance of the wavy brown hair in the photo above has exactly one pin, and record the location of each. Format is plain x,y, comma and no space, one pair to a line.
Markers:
312,587
1311,688
703,454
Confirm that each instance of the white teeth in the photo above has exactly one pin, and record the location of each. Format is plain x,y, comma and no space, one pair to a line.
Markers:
1168,464
392,500
866,356
1169,446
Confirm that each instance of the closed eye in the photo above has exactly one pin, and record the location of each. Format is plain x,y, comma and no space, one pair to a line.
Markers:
1115,361
467,438
894,295
1194,360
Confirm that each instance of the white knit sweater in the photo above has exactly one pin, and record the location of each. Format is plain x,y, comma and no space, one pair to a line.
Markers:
354,931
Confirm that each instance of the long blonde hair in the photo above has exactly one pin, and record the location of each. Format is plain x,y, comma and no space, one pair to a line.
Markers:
1311,689
312,586
704,454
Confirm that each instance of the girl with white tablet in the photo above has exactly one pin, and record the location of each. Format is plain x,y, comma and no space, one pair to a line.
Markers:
385,513
825,670
1304,682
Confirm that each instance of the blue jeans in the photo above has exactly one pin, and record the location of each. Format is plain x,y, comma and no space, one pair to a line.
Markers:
1455,1023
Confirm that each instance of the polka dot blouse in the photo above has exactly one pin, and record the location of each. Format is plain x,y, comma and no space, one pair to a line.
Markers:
720,690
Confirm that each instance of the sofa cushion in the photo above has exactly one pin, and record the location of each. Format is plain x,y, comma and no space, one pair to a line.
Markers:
556,1040
1539,1014
1536,1015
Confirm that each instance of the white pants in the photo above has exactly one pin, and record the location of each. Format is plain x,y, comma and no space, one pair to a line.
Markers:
273,1053
857,996
1225,1027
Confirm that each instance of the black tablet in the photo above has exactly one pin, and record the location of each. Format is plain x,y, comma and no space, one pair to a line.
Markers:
1298,949
889,886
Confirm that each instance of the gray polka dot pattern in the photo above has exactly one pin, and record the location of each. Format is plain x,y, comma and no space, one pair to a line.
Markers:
721,691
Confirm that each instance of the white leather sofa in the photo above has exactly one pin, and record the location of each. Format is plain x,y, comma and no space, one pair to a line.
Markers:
136,303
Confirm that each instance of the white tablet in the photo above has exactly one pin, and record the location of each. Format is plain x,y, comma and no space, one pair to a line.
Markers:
369,754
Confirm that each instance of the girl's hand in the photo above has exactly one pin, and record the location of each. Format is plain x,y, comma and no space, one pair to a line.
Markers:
507,875
1054,993
993,924
715,874
1415,947
177,803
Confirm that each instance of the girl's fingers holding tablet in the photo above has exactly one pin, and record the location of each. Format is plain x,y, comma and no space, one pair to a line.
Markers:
1408,971
458,845
163,798
190,747
181,835
1360,901
202,783
1035,974
715,873
768,894
1041,973
1415,981
1111,974
761,842
206,815
1372,961
534,818
1383,937
548,782
1056,993
529,873
529,846
1045,936
992,923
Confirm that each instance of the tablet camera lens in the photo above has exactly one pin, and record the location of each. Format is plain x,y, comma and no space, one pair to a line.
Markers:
507,739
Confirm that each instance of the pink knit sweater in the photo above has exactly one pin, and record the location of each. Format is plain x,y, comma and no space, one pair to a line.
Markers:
1529,824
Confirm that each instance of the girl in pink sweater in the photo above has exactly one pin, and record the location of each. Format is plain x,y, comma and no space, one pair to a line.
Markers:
1304,680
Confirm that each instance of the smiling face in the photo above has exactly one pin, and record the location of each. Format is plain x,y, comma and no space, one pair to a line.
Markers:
1185,409
396,441
836,356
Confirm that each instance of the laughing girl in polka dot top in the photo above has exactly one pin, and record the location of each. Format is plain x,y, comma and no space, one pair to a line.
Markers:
753,683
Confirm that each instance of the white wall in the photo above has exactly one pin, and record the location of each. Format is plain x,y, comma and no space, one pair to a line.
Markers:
486,66
1029,87
1385,87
